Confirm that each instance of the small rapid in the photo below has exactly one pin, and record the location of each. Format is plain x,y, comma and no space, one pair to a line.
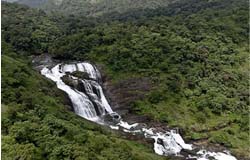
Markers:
89,102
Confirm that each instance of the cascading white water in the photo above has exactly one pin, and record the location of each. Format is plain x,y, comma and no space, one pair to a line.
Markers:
92,105
82,67
81,103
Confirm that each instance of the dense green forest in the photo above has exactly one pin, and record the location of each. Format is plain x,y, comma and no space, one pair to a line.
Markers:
93,7
36,124
194,52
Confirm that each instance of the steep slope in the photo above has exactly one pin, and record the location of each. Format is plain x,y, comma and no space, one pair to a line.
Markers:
94,7
36,124
32,3
11,1
27,29
196,60
193,54
36,121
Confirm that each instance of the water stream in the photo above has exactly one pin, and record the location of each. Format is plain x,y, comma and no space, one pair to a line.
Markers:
89,102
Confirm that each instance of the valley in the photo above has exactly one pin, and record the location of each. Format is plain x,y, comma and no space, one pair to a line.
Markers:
172,65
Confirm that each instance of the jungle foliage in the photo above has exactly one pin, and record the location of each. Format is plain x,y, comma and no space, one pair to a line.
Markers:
195,52
36,124
93,7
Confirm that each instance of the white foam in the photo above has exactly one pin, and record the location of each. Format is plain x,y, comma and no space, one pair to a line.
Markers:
82,105
82,67
177,137
167,143
204,155
126,125
114,127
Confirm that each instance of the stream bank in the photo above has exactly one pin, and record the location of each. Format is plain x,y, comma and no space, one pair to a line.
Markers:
166,141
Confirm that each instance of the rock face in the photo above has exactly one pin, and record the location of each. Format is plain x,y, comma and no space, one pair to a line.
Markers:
122,94
42,60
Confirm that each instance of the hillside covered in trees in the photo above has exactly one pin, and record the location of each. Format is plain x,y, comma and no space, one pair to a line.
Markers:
194,53
36,123
93,7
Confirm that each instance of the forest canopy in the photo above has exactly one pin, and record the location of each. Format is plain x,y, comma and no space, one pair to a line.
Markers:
194,52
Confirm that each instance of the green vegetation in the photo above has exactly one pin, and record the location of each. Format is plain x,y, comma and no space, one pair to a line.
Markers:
93,7
36,125
28,30
198,63
195,53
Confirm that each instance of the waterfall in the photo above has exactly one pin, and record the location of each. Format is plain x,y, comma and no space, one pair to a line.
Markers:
82,105
89,102
81,67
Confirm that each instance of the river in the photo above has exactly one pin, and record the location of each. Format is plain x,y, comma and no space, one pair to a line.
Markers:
83,84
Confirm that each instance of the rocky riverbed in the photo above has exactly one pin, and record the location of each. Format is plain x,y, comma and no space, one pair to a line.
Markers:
120,96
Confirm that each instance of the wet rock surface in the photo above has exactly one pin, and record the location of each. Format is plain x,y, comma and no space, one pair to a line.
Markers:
42,60
121,95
